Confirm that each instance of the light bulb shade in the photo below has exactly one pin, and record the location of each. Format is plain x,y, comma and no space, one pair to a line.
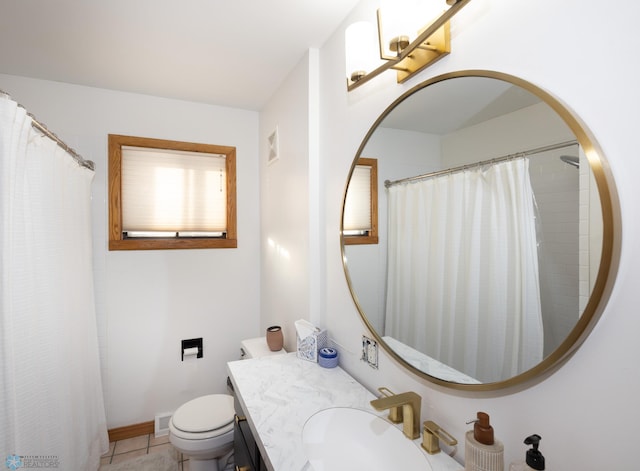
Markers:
412,35
402,20
361,49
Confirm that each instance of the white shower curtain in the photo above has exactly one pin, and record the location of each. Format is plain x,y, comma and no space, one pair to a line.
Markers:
52,411
463,281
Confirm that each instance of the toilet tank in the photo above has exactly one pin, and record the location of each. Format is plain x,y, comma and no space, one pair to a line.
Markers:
254,348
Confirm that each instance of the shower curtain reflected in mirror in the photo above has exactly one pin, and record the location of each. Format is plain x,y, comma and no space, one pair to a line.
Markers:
50,386
463,283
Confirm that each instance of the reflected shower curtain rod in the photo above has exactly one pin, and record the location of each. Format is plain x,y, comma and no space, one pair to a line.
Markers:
537,150
44,130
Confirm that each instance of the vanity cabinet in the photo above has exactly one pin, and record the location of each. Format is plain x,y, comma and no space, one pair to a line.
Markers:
246,453
278,394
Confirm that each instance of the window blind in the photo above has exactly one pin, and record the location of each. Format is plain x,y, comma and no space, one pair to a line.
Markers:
167,190
357,207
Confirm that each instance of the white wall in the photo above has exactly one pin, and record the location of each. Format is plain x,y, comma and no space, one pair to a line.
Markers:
147,301
292,257
583,52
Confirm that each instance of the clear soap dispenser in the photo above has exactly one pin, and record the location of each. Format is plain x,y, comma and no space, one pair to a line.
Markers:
534,459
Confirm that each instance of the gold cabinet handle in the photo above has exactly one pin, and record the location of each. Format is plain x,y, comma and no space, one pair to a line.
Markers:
240,418
243,468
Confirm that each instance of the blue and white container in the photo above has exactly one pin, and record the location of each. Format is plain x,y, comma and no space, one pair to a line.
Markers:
328,357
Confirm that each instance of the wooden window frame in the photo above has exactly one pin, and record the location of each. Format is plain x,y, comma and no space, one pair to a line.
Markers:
372,236
116,239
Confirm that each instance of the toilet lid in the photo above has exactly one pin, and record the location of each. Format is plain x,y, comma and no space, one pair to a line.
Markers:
204,413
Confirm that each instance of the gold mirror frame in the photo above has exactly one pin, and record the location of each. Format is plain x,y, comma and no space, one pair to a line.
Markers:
610,241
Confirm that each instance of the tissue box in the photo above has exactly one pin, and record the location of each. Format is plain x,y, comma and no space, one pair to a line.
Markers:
309,345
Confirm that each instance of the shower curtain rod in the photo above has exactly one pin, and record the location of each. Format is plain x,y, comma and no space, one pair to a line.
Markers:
44,130
537,150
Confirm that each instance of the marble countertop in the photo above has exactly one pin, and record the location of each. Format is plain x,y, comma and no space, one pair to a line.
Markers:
279,393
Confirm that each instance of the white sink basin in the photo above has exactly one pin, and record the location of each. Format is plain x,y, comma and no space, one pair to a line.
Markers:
340,438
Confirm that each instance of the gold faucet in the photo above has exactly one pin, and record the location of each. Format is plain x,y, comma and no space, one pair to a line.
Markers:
395,413
411,405
433,433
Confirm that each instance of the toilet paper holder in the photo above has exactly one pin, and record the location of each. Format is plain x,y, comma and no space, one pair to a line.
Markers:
190,345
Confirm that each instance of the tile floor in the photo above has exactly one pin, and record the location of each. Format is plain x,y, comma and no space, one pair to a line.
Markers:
123,450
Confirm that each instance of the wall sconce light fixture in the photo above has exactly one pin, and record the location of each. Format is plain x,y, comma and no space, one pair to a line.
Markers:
406,48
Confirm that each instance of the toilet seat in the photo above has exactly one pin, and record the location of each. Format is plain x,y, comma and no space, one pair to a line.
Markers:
203,417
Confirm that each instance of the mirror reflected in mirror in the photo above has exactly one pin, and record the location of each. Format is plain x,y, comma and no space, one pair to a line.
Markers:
494,231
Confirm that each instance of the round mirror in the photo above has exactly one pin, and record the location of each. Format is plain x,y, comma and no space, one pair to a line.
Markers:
478,231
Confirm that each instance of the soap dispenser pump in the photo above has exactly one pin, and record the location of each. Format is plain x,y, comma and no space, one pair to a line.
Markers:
482,429
482,451
534,459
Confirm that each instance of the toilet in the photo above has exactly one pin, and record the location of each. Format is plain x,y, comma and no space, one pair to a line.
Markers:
202,429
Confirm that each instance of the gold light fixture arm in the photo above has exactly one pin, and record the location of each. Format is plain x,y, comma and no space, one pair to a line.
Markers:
381,41
432,44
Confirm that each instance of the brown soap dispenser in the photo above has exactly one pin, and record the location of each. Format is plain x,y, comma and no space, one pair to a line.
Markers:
482,429
482,451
